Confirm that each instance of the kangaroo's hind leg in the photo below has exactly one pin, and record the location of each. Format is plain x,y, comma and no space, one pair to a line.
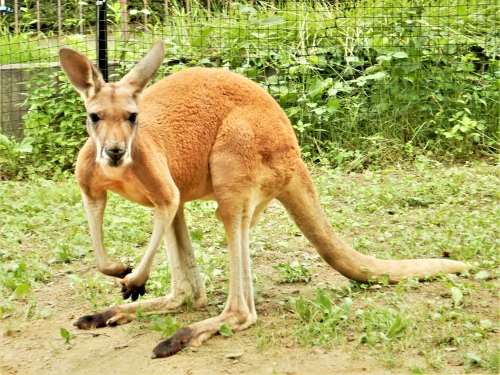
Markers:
248,170
239,313
186,279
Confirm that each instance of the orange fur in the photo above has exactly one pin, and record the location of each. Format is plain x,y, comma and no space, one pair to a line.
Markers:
201,134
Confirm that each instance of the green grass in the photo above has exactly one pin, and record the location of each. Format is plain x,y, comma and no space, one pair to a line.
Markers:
424,211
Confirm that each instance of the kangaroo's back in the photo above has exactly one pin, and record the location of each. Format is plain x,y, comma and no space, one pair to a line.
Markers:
185,112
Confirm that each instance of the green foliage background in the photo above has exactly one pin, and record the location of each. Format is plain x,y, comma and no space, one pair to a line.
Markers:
365,83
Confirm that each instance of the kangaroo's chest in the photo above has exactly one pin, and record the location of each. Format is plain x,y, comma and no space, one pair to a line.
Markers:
124,182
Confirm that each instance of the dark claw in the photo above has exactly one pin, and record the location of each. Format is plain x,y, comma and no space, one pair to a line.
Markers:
125,273
173,345
135,292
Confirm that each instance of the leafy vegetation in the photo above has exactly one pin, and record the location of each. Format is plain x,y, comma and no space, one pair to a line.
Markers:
166,326
225,330
55,122
293,272
67,337
13,153
364,83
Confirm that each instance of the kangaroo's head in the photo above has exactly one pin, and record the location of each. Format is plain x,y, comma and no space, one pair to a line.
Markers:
112,108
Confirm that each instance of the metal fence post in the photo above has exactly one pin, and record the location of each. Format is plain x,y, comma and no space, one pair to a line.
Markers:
102,39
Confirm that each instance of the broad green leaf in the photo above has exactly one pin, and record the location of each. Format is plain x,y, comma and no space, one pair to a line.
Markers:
270,21
377,75
246,9
486,324
482,275
24,148
4,141
20,290
352,59
332,105
27,141
346,305
474,357
400,55
225,330
450,48
292,111
316,88
65,334
384,58
202,38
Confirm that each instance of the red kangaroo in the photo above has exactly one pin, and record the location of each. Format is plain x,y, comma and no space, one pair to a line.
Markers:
201,134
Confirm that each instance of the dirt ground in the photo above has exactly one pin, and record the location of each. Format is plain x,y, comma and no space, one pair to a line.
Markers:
36,347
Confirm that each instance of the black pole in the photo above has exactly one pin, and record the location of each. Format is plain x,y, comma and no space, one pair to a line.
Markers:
102,39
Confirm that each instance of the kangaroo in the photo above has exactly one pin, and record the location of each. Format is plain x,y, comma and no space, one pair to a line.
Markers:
202,133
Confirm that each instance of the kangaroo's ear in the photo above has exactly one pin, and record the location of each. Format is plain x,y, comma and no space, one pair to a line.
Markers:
146,69
82,74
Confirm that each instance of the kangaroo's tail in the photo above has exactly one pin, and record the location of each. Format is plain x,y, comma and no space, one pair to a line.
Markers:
301,202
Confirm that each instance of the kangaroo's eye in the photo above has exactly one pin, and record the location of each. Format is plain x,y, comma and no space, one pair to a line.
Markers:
93,117
132,117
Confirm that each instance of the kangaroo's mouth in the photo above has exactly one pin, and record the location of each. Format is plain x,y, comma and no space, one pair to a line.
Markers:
114,157
117,163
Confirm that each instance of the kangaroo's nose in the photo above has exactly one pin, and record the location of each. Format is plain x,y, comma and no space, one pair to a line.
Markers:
115,153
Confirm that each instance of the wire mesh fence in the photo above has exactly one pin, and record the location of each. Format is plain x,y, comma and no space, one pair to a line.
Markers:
354,77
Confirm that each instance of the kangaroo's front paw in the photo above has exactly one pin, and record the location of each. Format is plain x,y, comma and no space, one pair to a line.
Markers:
114,269
130,289
124,273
